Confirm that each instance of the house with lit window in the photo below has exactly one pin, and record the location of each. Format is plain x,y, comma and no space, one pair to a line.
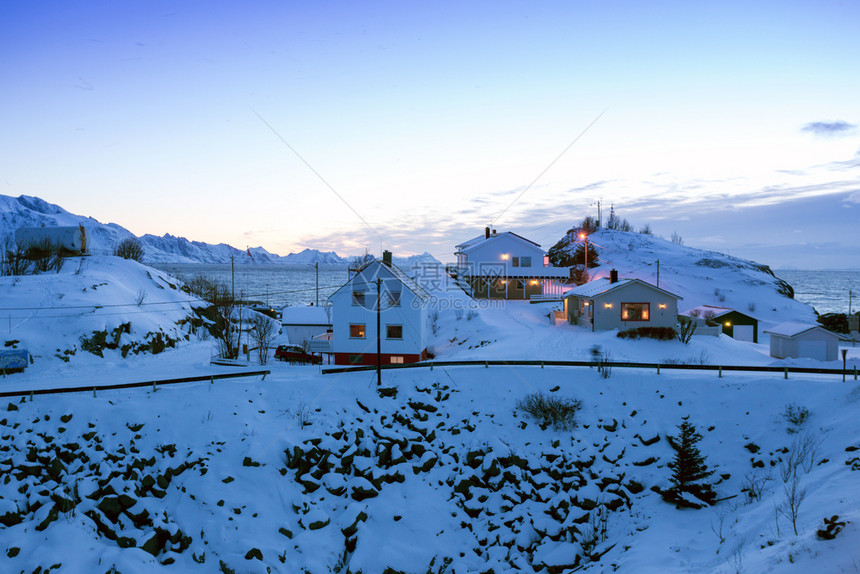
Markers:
379,293
610,303
507,266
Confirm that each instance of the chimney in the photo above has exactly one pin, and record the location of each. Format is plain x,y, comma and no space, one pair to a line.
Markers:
486,233
613,275
386,257
494,232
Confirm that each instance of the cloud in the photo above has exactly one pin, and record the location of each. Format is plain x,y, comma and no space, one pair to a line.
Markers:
829,129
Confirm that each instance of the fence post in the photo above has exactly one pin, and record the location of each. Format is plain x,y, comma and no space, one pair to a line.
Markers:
855,372
153,387
94,392
786,372
658,369
31,396
486,365
541,364
720,373
431,366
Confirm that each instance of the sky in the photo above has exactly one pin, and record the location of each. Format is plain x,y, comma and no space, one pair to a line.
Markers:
410,126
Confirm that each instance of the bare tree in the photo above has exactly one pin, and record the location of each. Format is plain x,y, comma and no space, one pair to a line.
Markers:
263,331
686,329
676,239
794,496
130,248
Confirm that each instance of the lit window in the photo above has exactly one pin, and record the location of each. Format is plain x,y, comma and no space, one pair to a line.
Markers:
396,359
546,260
635,311
394,331
356,331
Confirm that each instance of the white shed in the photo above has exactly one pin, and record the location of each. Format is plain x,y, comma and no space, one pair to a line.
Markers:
803,340
303,323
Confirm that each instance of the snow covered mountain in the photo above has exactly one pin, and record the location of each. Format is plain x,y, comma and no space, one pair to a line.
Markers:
27,211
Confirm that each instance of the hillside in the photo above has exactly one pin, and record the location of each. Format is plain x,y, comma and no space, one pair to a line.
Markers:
317,473
93,302
700,277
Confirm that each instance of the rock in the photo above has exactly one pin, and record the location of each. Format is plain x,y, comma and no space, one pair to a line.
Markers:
254,553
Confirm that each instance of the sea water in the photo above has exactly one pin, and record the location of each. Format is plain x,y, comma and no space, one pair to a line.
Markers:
280,285
826,291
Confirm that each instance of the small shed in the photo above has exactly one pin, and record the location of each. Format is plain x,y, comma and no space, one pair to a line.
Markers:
803,340
304,322
733,323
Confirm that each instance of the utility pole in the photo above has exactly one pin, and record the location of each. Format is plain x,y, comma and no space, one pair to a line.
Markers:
658,273
233,277
317,267
850,295
378,333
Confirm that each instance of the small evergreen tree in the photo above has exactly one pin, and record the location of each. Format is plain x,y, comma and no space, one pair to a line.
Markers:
689,470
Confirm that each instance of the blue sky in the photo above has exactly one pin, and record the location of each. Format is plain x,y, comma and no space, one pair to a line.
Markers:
734,124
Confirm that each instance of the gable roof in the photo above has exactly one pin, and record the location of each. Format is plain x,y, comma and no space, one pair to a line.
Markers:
601,286
793,329
397,273
481,239
717,311
304,315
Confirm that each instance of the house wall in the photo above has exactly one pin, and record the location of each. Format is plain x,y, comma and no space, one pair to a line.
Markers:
490,253
735,318
610,318
296,334
412,314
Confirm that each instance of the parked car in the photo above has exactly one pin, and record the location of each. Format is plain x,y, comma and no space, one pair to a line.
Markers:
296,354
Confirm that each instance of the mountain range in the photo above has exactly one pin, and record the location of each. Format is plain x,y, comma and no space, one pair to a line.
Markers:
29,211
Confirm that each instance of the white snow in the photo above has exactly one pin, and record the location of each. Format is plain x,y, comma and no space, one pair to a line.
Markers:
319,473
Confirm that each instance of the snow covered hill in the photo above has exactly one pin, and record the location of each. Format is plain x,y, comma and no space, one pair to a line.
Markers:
93,307
443,472
700,277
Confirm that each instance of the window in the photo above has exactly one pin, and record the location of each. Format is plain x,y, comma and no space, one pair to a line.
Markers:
356,359
515,262
356,331
525,261
358,298
546,260
396,359
635,311
394,331
394,298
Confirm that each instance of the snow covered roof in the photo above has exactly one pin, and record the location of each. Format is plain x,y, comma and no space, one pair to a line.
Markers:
398,274
305,315
475,241
717,311
603,285
793,329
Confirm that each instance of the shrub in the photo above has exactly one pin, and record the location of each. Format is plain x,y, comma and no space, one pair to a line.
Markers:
659,333
795,416
557,412
130,248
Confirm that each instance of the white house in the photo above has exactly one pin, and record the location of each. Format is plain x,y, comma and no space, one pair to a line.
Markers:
402,316
803,340
507,266
610,303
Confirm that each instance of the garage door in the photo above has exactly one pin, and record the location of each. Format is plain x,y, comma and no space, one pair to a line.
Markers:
743,332
812,349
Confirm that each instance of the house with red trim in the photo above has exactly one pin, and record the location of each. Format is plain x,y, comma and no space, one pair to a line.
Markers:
379,291
507,266
610,303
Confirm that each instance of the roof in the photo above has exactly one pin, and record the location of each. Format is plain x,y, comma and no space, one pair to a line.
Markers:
603,285
397,273
717,311
304,315
793,329
475,241
519,272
